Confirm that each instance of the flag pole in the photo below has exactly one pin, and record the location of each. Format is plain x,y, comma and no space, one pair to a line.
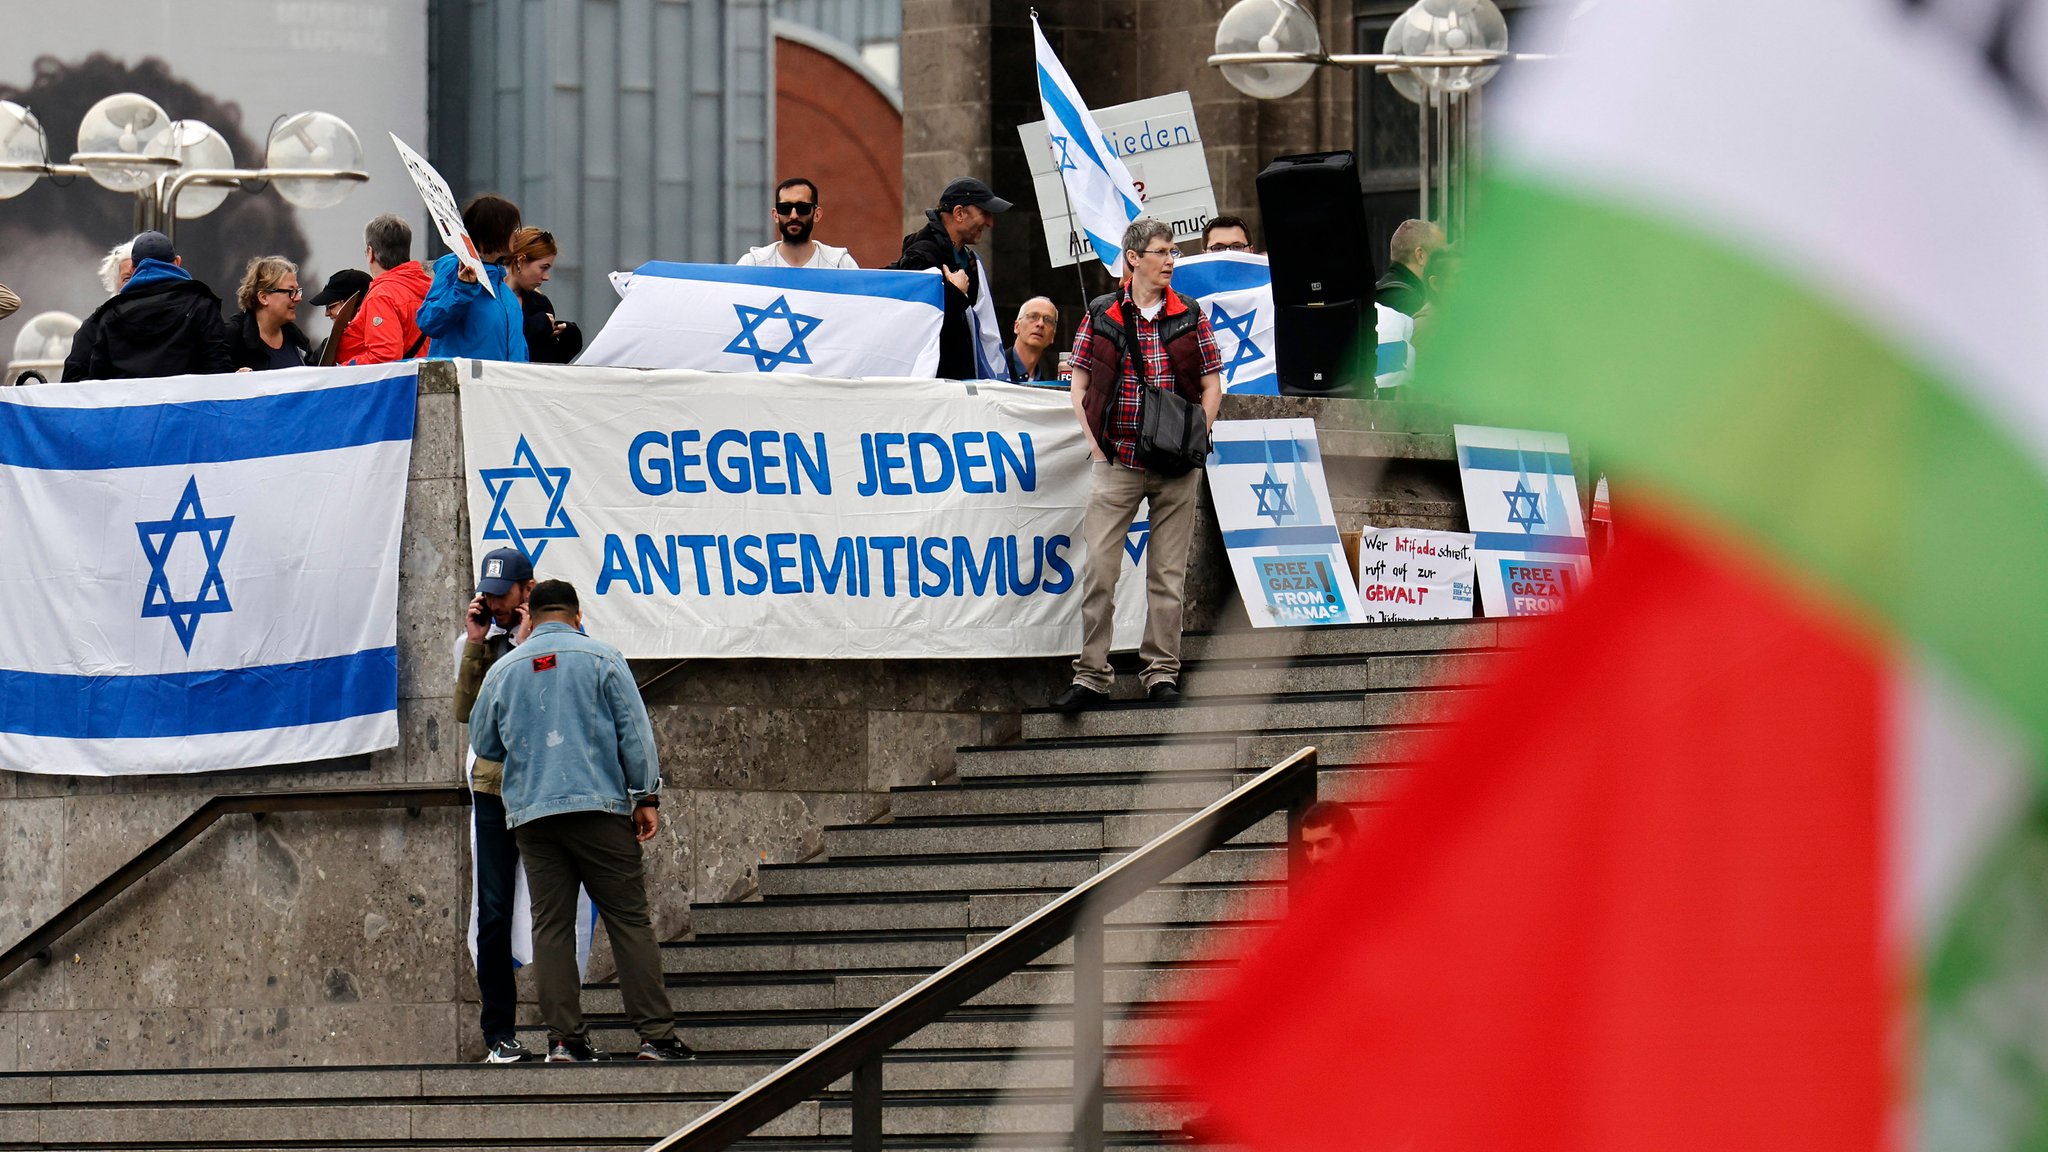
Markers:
1073,221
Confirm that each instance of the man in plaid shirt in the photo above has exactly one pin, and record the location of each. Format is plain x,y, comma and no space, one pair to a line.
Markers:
1144,335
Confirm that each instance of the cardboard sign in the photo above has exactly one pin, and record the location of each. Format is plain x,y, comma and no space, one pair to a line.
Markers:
1522,503
1158,140
1415,574
441,207
1273,504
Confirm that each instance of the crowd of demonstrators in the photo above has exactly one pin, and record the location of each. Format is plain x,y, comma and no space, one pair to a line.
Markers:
161,322
264,335
796,213
1143,335
531,260
969,347
580,789
459,315
1030,356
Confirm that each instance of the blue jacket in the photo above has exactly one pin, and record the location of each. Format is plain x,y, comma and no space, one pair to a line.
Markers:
562,714
464,320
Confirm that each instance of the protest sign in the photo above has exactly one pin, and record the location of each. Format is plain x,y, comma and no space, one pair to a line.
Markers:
1522,504
755,514
1157,140
1273,505
1415,574
442,209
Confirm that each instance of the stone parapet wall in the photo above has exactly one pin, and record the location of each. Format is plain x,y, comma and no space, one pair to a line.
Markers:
340,938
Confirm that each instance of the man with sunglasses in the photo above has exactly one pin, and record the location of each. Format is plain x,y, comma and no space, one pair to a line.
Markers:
795,214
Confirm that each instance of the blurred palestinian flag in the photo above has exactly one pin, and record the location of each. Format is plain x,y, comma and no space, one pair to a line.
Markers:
1748,850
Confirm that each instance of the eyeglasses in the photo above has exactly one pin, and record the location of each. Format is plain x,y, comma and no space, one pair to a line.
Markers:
794,207
1169,253
1240,246
1041,318
294,293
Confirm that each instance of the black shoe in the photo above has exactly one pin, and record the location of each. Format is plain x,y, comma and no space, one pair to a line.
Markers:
1164,692
670,1049
508,1052
569,1050
1077,697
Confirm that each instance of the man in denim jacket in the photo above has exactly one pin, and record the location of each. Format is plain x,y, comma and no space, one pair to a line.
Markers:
563,715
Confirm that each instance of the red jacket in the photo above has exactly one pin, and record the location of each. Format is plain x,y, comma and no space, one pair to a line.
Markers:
384,326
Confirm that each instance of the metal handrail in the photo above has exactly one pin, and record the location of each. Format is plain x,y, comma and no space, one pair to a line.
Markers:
412,797
858,1048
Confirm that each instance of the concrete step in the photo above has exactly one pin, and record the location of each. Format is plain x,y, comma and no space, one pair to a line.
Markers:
714,956
863,991
944,874
1355,640
1098,758
969,836
964,913
1246,714
986,1030
1302,674
1056,796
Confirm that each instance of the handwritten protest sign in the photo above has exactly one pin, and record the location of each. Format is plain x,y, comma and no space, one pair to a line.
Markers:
441,206
1415,574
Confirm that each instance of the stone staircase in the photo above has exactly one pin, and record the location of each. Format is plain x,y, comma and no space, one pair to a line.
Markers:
885,905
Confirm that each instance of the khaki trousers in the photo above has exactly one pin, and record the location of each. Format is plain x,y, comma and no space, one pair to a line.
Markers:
598,851
1113,496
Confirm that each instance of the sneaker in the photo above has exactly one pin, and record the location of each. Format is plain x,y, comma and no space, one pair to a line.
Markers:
569,1050
670,1049
1077,697
508,1052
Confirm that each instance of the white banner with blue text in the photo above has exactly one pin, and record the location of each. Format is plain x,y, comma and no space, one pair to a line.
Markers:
745,514
1279,527
202,571
847,323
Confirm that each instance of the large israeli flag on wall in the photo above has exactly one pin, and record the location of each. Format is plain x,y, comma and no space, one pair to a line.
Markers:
805,321
1236,293
201,573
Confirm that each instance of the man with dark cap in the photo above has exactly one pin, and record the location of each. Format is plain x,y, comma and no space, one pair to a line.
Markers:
970,344
161,323
345,285
581,794
496,621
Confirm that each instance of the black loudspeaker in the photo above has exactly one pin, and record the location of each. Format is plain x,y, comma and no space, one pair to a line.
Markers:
1325,330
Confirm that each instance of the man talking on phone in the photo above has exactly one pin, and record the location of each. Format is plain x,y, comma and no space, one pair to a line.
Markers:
495,623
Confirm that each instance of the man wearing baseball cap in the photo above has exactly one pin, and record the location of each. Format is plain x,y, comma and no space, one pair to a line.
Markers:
495,623
970,342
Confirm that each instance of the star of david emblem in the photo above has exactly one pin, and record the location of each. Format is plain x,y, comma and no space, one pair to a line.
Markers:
1524,507
748,342
1066,158
1273,500
554,484
1241,327
158,536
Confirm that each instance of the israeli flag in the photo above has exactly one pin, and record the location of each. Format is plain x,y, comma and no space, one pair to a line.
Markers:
1396,361
201,573
804,321
1105,199
1235,290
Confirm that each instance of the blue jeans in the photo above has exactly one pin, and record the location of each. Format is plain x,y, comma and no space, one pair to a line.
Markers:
497,869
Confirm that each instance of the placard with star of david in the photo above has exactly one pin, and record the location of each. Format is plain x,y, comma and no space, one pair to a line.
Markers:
1522,503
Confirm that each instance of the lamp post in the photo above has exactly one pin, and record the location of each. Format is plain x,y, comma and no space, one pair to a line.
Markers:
1439,54
182,169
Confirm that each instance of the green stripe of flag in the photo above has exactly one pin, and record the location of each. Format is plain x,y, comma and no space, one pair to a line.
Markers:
1693,369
